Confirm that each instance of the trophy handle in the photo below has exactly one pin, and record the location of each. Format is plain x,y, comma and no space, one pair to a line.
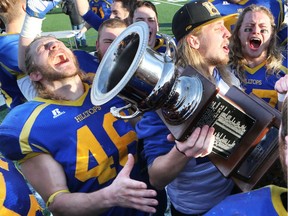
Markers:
171,49
116,112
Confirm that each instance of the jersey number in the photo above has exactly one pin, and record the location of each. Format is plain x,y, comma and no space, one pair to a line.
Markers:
34,207
89,145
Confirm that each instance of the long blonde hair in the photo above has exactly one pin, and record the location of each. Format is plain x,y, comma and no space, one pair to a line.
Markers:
274,56
190,56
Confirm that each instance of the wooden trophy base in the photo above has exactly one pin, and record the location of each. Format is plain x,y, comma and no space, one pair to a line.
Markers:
241,122
258,162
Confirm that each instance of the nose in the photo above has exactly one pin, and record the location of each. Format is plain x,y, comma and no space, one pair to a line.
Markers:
52,45
114,16
226,32
256,29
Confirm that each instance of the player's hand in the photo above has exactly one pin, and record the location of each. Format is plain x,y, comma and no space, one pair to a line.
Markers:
199,144
129,193
39,8
281,86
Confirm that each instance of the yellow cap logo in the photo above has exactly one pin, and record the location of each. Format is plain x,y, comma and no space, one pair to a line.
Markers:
188,28
211,8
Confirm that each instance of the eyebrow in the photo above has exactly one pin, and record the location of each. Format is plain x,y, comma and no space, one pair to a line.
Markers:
39,47
254,23
45,42
108,40
149,17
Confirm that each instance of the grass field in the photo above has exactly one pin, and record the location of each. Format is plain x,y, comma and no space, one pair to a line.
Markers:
57,21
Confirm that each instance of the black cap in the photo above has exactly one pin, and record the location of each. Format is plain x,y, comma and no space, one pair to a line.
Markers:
194,14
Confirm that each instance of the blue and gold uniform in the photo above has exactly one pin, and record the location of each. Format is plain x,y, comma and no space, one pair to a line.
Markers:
87,62
9,71
87,140
100,11
276,7
265,201
262,84
16,199
101,7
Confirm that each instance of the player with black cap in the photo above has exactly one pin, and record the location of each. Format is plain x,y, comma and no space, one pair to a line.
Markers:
194,184
203,38
196,14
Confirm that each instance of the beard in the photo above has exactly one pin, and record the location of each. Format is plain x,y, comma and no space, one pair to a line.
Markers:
100,55
50,74
217,61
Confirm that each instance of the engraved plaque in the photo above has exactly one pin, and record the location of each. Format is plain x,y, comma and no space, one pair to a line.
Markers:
240,123
230,124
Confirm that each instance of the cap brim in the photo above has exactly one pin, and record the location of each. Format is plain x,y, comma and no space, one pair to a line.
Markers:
229,20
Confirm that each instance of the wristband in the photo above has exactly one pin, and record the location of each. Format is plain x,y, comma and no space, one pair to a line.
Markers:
179,150
31,27
281,97
52,197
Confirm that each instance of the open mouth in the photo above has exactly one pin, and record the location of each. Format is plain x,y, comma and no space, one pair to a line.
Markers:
254,43
60,59
226,48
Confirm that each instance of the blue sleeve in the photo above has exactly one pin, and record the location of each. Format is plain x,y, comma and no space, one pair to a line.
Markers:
93,19
154,133
9,52
87,62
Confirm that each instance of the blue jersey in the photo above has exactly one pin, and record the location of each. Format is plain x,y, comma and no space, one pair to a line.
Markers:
276,7
87,62
100,10
87,140
15,195
265,201
192,191
101,7
9,71
261,84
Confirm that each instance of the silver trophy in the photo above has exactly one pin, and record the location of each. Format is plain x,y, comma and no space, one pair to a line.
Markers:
146,79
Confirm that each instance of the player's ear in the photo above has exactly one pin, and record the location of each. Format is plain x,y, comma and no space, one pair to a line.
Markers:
24,5
97,44
193,41
35,76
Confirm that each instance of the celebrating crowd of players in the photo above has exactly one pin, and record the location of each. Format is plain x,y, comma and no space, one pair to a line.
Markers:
84,161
